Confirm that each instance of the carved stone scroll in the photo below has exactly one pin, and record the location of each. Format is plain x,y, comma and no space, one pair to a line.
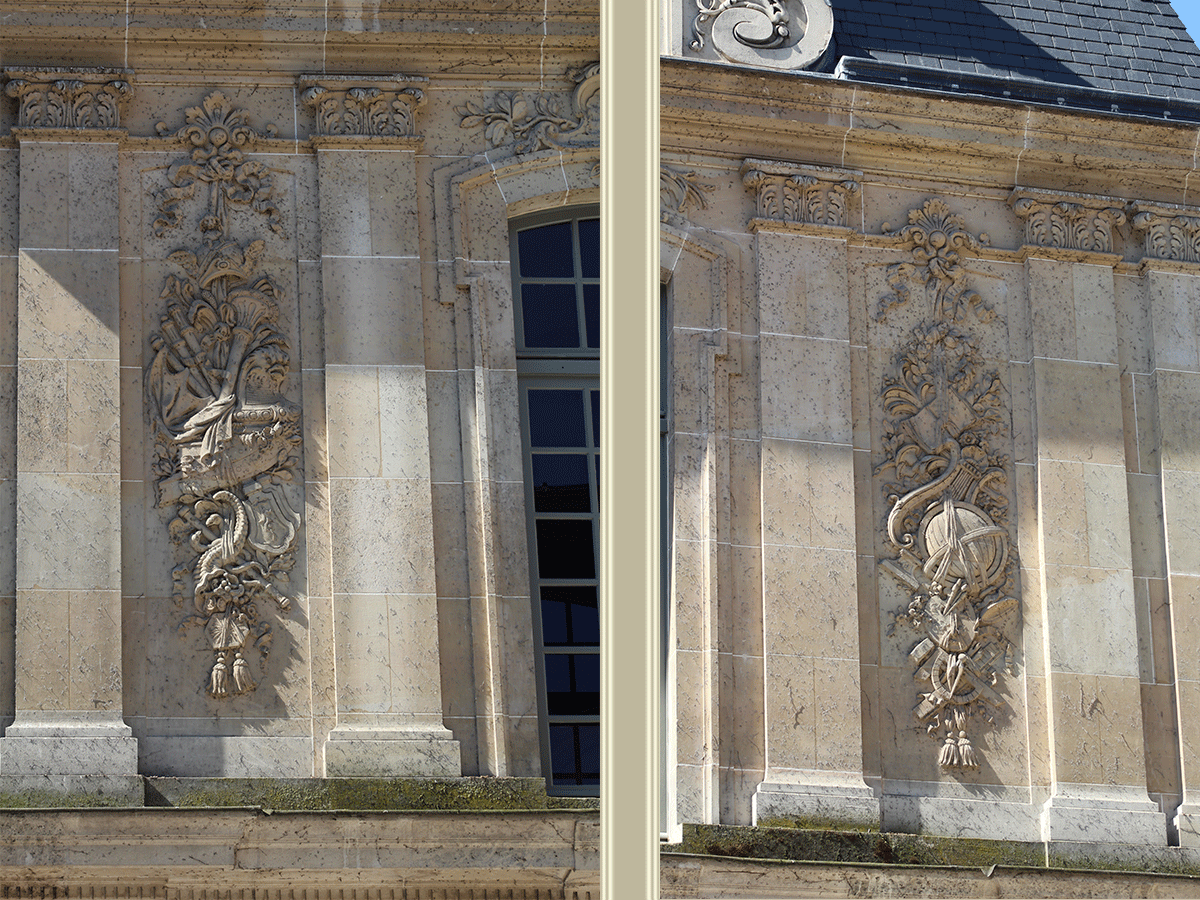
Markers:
541,121
947,484
775,34
679,193
1168,232
227,442
1067,221
806,194
348,106
68,98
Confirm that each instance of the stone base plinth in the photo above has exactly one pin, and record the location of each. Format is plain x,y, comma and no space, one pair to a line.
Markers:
1090,814
350,753
830,802
60,755
958,817
1187,820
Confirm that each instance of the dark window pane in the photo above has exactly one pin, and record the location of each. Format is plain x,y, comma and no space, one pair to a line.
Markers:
560,483
589,247
596,417
591,313
564,548
549,315
589,753
562,753
597,458
556,419
545,252
581,697
556,627
583,620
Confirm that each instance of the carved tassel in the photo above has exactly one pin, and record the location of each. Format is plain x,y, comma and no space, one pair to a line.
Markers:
966,752
948,757
241,675
219,681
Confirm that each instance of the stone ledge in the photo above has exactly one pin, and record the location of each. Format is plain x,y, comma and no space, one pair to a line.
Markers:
323,794
781,842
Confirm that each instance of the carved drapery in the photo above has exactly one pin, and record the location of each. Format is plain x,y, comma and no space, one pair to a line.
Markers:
227,442
946,482
1067,221
805,194
345,106
1168,232
541,121
61,98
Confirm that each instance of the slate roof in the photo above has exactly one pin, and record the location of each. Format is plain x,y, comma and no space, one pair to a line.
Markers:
1054,50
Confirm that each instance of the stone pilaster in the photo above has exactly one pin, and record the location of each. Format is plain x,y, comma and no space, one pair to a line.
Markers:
68,577
389,698
814,752
1166,420
1097,763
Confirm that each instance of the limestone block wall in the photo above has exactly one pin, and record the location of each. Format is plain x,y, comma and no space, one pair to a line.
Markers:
931,494
263,477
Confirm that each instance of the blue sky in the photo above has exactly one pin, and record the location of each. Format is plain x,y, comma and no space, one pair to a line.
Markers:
1189,11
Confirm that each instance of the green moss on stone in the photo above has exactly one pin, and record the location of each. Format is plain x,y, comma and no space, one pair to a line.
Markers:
60,800
317,794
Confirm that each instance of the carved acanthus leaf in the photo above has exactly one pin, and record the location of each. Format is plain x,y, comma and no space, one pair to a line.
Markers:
346,107
806,194
1067,221
1168,232
218,135
541,121
61,99
936,237
679,193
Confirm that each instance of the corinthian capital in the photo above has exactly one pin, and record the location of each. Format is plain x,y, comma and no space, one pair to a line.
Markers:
810,195
69,98
352,106
1067,221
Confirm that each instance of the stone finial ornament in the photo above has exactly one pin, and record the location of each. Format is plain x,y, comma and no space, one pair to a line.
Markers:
70,99
348,106
533,122
947,483
227,441
1168,232
773,34
1067,221
811,195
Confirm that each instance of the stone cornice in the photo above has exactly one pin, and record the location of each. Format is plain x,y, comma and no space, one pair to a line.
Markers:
1168,232
1063,221
796,194
348,106
68,99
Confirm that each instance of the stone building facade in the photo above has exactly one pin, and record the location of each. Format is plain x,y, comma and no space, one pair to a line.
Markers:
930,292
266,491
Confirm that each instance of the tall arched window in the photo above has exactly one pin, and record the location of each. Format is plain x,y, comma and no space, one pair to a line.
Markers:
556,290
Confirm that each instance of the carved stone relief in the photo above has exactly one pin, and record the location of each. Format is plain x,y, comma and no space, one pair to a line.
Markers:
227,442
775,34
807,194
679,193
348,107
1067,221
1168,232
946,481
63,98
541,121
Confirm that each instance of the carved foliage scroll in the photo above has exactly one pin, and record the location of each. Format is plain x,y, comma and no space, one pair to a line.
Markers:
227,442
541,121
947,486
775,34
679,193
53,99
